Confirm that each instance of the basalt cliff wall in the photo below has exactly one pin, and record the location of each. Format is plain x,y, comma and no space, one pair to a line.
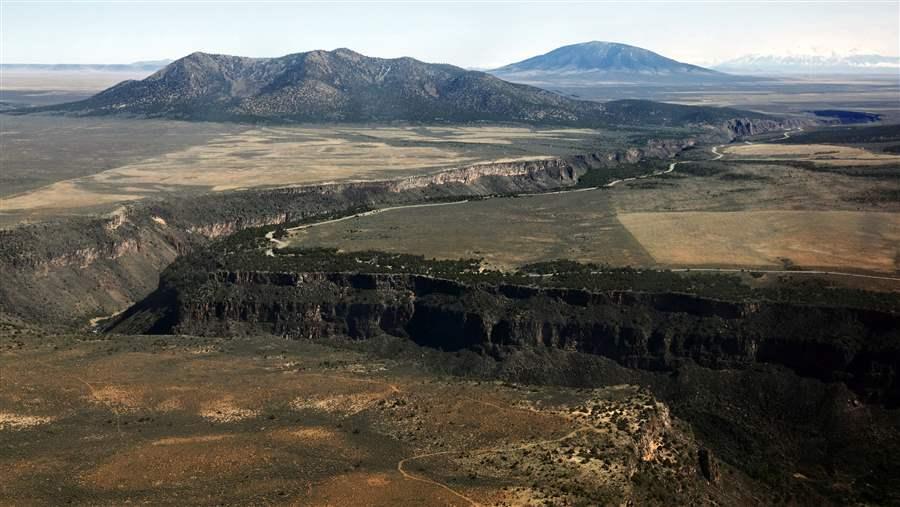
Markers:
654,331
743,127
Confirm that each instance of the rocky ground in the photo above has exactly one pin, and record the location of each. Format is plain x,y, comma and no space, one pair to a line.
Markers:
107,421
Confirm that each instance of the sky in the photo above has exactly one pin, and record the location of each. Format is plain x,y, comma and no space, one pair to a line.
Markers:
465,33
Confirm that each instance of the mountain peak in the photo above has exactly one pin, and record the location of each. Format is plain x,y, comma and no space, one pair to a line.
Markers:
337,85
345,52
200,56
601,44
602,57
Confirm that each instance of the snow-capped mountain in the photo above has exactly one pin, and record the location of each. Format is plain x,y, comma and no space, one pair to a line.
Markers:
806,64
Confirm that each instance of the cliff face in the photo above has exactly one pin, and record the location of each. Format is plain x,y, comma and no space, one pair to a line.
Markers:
742,127
59,273
639,330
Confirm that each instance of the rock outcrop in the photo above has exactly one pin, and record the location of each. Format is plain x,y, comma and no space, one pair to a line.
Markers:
743,127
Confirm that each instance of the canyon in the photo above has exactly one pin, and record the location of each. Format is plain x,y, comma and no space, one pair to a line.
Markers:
96,266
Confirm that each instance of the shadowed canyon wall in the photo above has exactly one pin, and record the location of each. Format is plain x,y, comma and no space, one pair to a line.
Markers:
652,331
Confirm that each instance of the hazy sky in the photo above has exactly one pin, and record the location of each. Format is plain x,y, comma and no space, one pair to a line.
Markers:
469,34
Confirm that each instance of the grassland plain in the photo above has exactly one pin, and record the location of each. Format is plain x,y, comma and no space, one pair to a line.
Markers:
36,151
506,233
776,96
846,240
819,154
105,166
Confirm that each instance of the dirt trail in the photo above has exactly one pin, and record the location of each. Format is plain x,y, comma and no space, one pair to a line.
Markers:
407,475
529,445
365,214
785,135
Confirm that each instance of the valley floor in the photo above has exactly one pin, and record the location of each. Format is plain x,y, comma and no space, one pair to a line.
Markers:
815,207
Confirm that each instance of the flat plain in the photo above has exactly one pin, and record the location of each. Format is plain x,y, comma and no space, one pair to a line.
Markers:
61,166
505,233
20,88
820,154
845,240
783,95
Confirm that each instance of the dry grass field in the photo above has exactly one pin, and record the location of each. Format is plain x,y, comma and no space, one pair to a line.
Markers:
504,232
845,240
824,154
36,151
280,157
216,157
175,420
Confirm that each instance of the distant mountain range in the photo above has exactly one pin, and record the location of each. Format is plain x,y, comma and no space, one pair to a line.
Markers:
345,86
148,66
809,64
599,62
